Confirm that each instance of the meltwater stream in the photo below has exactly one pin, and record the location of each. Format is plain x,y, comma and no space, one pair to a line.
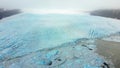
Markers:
26,33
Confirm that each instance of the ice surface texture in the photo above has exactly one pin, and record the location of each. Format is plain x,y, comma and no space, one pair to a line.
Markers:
26,33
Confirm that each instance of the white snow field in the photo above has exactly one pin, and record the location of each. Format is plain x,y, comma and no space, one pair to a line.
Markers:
26,33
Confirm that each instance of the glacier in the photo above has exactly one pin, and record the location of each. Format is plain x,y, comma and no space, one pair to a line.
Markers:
27,33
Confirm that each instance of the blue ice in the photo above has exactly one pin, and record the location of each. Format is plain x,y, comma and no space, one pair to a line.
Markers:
25,33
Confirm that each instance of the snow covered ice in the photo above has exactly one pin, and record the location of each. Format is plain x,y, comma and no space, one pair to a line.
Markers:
25,34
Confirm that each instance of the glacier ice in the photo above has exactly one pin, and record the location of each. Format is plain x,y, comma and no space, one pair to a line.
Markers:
27,33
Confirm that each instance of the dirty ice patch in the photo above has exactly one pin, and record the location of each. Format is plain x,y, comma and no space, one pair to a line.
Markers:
112,38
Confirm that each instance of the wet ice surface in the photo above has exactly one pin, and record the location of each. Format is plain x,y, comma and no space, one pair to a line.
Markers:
23,36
